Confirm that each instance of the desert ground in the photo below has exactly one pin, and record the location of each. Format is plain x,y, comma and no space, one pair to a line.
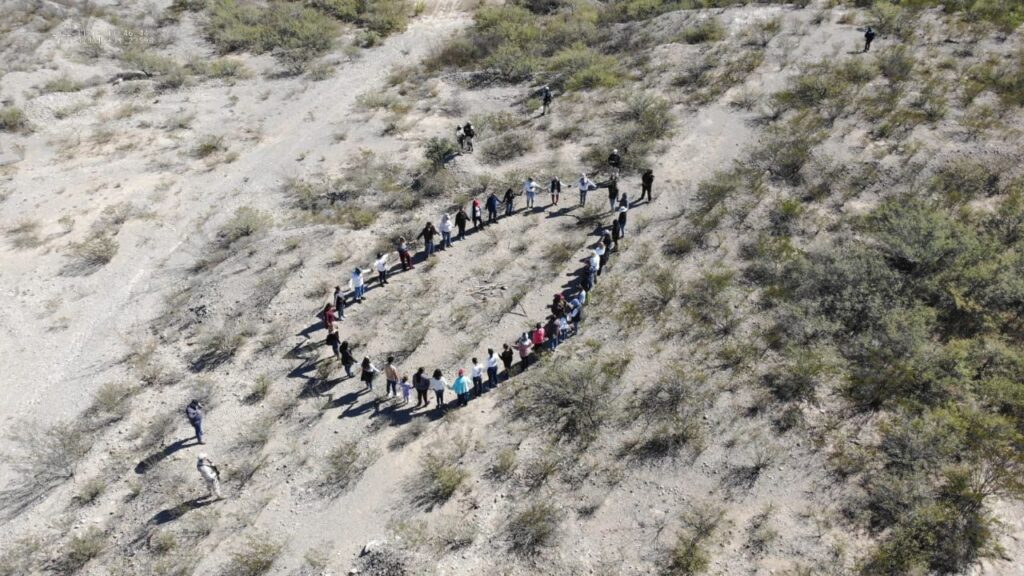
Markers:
176,208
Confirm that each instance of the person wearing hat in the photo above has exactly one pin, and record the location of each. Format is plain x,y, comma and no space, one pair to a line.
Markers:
210,475
194,413
461,387
546,98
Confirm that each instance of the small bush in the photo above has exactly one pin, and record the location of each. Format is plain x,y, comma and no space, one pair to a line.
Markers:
82,548
689,555
247,222
111,400
259,390
217,347
439,151
209,145
709,30
651,114
506,146
91,490
345,465
255,557
63,83
92,253
533,528
438,479
293,33
12,119
24,234
505,464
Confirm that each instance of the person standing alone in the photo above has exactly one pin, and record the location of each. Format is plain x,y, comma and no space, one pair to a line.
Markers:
194,413
869,37
646,183
208,470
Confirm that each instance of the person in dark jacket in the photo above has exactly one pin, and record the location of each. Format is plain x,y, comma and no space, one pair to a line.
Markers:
646,183
869,36
347,359
507,356
623,209
334,341
613,191
551,333
607,241
546,98
614,160
556,190
428,234
616,236
461,219
194,413
469,133
369,371
510,197
492,208
339,302
421,384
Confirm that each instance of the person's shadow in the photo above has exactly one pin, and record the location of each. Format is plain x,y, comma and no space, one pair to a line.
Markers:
175,512
147,463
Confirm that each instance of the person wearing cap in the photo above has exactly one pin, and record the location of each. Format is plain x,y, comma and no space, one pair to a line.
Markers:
585,185
461,387
210,475
194,413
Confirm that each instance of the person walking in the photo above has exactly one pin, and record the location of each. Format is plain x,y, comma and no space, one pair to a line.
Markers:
523,346
428,233
477,371
334,341
422,385
478,215
545,99
606,236
556,190
492,368
210,474
357,283
575,314
339,302
646,184
194,413
869,37
506,358
623,209
381,266
563,327
438,384
369,371
461,219
461,388
585,185
403,254
347,359
391,377
492,208
509,202
530,188
446,231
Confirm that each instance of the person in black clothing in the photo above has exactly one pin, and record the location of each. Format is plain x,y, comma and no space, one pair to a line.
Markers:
608,241
616,234
869,36
334,341
339,302
613,191
506,358
546,99
614,160
556,190
428,234
646,182
461,219
492,208
509,202
422,385
623,209
469,134
347,359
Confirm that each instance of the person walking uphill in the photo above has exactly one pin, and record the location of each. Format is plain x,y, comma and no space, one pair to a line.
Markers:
210,474
428,233
194,413
461,219
646,185
869,37
545,99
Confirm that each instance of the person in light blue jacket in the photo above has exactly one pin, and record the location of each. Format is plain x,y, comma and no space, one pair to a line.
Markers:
461,387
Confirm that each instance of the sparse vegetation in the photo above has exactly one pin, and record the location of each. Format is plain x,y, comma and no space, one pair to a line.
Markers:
295,34
533,528
81,548
255,557
345,464
12,119
91,254
690,554
438,480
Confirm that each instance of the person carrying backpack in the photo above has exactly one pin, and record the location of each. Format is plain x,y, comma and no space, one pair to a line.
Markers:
470,133
869,37
461,219
428,234
194,413
646,183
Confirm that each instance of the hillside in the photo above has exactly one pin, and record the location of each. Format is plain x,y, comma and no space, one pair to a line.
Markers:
804,356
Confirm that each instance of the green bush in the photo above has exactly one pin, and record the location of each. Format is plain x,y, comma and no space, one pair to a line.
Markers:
12,119
63,83
439,151
438,480
689,555
82,548
709,30
382,17
255,557
294,33
506,146
533,528
245,223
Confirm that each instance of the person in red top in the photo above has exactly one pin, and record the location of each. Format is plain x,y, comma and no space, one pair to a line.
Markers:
537,337
329,316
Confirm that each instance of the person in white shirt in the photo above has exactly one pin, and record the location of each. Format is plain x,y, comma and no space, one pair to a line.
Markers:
594,267
381,266
477,373
446,231
585,185
438,384
492,368
357,284
210,475
530,188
